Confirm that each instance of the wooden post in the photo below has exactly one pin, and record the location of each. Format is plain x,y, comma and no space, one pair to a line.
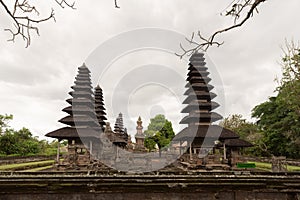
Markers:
58,152
191,151
224,150
180,143
91,149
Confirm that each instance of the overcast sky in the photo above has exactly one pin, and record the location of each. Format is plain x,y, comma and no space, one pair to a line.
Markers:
35,81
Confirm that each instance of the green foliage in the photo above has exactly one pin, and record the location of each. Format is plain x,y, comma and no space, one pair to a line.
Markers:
247,131
4,119
279,117
159,132
21,142
280,124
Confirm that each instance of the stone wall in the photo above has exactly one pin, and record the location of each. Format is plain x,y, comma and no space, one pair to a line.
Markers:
213,185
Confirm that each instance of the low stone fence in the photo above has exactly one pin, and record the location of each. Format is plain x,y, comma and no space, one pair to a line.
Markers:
294,162
4,160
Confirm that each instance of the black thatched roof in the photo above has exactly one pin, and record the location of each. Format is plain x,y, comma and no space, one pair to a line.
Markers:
81,109
199,95
71,132
237,143
99,106
205,131
84,68
82,101
198,71
79,93
113,137
80,119
197,78
201,117
200,105
202,86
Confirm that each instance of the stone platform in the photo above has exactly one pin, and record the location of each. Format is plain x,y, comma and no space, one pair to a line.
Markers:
195,185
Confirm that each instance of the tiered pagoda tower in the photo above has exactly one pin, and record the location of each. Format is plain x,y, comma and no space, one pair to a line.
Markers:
200,131
99,107
120,132
119,128
82,126
199,95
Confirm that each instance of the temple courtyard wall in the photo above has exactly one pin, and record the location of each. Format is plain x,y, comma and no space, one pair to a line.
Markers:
200,185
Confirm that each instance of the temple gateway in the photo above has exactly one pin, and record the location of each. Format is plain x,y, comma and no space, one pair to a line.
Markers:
201,145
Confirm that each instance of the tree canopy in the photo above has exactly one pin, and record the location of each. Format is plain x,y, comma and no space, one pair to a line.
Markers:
159,132
4,119
279,117
21,142
247,131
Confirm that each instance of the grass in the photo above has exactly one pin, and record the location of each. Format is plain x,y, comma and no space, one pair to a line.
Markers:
37,169
268,167
293,168
20,166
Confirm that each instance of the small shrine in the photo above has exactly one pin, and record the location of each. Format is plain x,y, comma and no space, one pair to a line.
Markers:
139,137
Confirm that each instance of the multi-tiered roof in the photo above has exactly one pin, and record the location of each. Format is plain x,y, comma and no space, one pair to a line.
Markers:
81,120
199,95
200,105
99,107
119,128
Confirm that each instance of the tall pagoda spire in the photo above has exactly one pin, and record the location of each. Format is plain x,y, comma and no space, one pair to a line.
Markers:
81,116
99,107
199,107
199,95
81,109
82,125
119,126
200,131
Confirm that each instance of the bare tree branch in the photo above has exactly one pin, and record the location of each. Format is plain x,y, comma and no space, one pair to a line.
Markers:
24,23
237,8
64,3
116,4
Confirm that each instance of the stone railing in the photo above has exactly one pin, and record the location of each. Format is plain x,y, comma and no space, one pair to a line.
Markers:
4,160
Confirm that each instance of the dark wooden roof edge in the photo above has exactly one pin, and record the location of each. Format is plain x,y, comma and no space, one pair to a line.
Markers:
203,131
70,132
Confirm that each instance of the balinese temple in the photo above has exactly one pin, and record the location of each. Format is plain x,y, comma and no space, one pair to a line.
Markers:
82,130
201,135
113,137
139,136
119,128
99,107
